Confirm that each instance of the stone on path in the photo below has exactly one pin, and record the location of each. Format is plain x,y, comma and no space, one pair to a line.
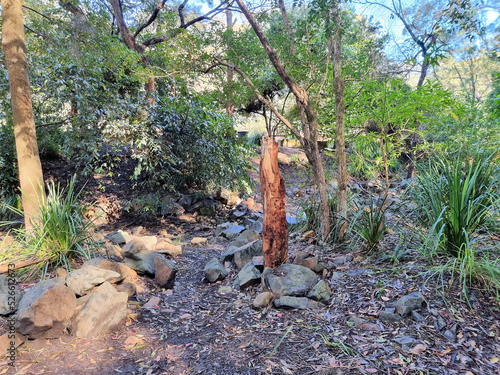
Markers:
246,253
321,292
199,241
249,275
166,246
406,304
84,279
301,303
289,280
105,309
45,311
233,231
214,270
165,271
119,237
262,300
107,264
138,245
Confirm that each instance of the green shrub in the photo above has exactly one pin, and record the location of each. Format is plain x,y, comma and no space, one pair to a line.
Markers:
8,162
59,233
370,222
255,138
186,144
456,197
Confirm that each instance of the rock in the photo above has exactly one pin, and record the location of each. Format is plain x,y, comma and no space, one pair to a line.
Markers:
233,231
166,246
170,207
138,245
221,228
83,280
145,265
187,218
10,296
61,272
301,303
105,309
8,344
289,280
98,237
388,316
127,287
45,311
248,276
187,200
342,259
238,213
417,316
291,220
245,237
440,323
225,290
214,270
406,304
449,335
107,264
320,267
336,276
114,250
119,237
255,225
246,253
363,324
195,207
208,210
262,300
321,292
165,271
405,341
198,241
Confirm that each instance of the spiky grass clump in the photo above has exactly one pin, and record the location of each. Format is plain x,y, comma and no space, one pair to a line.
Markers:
457,198
370,223
59,233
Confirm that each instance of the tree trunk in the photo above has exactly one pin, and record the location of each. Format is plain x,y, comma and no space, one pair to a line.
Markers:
307,119
30,168
339,85
230,71
275,227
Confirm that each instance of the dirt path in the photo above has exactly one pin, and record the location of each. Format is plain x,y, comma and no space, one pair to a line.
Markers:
196,330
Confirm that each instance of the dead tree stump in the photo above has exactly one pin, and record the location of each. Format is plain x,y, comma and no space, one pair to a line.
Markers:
272,185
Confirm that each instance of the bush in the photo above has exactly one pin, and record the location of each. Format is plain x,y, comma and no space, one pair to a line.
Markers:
185,144
8,162
370,222
59,233
456,196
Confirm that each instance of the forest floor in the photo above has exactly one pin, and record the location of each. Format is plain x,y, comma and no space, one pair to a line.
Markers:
193,329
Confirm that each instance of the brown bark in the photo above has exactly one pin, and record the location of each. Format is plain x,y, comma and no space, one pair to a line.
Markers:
275,226
30,168
339,85
307,117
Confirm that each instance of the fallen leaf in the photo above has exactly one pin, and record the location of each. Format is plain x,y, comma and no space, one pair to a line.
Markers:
494,360
419,348
371,370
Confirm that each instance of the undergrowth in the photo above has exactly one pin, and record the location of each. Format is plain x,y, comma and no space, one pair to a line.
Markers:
59,233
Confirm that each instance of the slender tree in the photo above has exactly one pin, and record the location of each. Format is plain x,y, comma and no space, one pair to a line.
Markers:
308,119
30,168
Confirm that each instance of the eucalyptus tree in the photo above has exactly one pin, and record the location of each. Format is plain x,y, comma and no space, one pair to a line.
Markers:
30,168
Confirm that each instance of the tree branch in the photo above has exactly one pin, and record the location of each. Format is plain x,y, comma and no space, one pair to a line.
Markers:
40,14
122,27
152,17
